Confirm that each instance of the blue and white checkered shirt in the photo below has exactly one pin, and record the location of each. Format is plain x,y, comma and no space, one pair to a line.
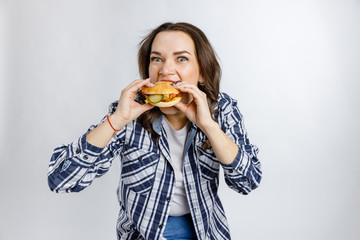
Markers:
147,177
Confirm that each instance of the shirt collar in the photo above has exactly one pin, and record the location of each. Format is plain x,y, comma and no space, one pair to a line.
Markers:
157,125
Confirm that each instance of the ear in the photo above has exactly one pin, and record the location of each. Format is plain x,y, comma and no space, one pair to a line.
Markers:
201,80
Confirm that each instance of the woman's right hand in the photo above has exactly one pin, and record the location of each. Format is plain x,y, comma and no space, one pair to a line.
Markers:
128,109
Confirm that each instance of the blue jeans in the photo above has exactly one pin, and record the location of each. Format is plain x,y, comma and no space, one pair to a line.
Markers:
179,228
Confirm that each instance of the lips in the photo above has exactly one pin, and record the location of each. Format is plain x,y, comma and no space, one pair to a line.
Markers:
169,80
173,82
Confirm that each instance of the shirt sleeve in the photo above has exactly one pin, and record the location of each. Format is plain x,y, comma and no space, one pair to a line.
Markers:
244,174
74,166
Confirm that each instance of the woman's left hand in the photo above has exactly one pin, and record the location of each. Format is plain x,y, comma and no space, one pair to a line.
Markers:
197,108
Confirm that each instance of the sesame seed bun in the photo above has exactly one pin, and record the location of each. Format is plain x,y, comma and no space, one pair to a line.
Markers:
160,88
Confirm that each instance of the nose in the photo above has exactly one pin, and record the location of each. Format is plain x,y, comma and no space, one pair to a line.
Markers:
168,68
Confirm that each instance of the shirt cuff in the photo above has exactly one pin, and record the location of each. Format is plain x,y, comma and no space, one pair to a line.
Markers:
237,170
84,152
236,167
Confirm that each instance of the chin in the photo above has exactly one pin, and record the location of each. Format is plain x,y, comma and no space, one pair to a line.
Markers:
169,110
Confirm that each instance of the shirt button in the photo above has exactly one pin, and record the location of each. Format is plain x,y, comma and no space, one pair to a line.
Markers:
86,157
241,168
160,226
168,199
231,171
56,170
77,151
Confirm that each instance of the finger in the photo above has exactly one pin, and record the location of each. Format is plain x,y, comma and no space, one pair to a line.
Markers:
187,85
184,83
149,83
181,106
138,83
144,107
198,95
146,82
134,87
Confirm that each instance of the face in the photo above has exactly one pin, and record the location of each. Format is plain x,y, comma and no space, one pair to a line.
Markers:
173,58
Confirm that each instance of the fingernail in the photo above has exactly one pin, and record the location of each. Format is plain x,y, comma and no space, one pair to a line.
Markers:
174,83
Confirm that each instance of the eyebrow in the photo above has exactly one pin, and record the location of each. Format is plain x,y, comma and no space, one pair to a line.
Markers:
181,52
175,53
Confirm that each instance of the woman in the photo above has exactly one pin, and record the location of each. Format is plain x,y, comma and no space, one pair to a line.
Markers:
170,157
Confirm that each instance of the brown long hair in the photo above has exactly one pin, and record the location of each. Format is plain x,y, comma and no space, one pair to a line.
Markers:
208,64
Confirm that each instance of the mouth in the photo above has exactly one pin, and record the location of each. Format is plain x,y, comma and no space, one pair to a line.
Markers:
169,80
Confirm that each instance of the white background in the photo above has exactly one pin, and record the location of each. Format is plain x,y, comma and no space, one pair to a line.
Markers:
293,66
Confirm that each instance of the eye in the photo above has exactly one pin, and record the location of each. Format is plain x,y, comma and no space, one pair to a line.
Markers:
156,59
182,59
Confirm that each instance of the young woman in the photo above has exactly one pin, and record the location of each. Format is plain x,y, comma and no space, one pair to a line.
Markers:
170,157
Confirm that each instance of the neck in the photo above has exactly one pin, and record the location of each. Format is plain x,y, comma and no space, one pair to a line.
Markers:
177,121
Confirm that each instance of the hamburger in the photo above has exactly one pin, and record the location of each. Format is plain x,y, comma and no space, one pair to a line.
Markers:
163,94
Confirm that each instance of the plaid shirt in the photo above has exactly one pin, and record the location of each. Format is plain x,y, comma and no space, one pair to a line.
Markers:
147,178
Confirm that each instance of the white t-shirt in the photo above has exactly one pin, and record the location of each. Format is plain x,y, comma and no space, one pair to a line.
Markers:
179,204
